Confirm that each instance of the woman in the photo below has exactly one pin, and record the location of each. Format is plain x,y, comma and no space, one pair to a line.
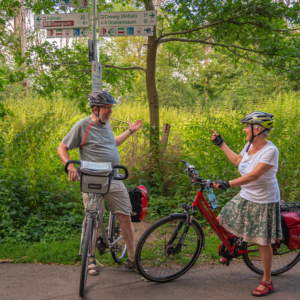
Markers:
254,213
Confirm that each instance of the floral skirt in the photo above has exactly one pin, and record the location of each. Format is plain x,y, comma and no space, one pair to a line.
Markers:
254,222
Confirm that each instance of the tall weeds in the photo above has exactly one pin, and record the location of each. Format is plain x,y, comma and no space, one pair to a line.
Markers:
37,201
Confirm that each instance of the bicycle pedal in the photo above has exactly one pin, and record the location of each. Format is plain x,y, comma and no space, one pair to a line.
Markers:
116,248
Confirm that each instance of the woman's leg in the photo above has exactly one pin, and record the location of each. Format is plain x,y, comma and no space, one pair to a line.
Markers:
266,254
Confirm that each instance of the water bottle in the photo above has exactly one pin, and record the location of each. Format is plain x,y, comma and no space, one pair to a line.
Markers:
212,198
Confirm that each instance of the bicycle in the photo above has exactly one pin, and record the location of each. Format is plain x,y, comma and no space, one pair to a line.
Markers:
110,237
172,245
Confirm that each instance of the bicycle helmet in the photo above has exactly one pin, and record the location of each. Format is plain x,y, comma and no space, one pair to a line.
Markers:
100,98
258,118
261,118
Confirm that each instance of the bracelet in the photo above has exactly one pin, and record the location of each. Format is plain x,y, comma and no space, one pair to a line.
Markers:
230,184
130,130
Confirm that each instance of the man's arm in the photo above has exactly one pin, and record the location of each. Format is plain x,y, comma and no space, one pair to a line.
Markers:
63,154
126,134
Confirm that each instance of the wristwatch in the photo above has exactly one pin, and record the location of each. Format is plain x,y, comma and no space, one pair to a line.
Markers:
130,130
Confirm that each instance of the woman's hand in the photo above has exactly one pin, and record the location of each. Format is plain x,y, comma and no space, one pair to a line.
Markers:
217,139
221,185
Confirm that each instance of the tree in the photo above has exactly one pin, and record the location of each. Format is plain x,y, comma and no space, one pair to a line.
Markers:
263,32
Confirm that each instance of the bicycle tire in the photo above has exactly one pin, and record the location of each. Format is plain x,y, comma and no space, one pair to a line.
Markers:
85,256
115,233
168,265
283,259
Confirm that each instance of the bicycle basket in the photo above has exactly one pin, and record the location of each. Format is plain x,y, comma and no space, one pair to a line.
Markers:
95,177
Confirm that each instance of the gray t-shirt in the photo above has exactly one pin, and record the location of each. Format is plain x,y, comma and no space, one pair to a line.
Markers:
94,142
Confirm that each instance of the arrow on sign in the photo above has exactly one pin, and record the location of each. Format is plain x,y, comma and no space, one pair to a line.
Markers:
99,69
38,18
152,15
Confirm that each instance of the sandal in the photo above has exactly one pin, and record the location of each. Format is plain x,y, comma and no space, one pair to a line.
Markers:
222,260
268,289
130,265
92,269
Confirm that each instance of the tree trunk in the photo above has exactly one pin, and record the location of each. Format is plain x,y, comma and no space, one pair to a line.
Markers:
22,23
152,92
207,50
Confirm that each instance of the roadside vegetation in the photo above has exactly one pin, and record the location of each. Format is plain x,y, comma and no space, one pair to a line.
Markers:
39,207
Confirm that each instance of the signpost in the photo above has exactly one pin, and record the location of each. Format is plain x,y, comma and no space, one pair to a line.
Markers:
96,76
76,3
126,31
67,33
62,21
128,18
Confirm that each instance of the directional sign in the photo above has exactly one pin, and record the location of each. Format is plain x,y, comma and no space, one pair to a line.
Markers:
126,31
60,21
72,32
96,76
76,3
128,18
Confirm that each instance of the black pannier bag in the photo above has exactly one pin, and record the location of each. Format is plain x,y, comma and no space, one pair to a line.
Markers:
139,201
95,177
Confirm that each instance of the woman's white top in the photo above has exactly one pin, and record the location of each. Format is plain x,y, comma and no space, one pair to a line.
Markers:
265,189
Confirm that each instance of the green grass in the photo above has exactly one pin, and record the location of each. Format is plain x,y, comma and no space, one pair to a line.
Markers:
66,252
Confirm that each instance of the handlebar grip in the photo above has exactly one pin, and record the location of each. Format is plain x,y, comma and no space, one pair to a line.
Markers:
187,164
121,177
71,162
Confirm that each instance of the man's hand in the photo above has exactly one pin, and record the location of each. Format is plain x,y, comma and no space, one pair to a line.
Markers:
73,174
136,126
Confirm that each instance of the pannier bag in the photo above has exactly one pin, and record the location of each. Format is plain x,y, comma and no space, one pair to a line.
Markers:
95,177
290,223
139,201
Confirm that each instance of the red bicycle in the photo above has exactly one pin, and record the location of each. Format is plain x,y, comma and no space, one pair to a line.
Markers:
172,245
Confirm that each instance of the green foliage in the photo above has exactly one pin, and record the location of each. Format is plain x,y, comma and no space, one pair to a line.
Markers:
38,203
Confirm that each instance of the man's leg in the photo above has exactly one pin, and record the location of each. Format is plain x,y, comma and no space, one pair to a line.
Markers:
127,233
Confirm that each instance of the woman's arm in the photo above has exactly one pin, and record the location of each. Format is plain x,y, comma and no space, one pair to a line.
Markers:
258,171
232,156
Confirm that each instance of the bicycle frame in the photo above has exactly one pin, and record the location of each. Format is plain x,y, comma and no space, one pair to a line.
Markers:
98,220
207,212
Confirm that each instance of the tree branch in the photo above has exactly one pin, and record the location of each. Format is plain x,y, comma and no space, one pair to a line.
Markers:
124,68
244,57
191,30
210,43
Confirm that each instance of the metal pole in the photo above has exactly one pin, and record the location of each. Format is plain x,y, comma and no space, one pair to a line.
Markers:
94,16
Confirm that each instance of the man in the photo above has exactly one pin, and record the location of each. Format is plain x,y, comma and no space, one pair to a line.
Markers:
95,141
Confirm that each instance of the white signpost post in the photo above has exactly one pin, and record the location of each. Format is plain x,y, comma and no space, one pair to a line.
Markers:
76,3
96,76
62,21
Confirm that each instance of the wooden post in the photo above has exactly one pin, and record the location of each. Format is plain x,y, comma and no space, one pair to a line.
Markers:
165,135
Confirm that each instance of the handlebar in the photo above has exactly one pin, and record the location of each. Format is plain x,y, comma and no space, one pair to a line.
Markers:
193,175
119,177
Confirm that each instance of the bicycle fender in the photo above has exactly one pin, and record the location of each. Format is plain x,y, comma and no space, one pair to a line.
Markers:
194,221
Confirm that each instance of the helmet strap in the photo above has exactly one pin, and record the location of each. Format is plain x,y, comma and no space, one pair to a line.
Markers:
100,122
253,137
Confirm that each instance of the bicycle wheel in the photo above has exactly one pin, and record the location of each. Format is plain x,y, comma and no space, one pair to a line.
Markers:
283,259
119,249
159,255
85,256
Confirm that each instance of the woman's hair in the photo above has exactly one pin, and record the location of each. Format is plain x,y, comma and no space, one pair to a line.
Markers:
266,133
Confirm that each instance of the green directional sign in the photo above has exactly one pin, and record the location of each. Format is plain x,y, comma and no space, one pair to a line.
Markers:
128,18
38,19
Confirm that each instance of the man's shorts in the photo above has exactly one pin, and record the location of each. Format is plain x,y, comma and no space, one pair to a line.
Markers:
117,199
